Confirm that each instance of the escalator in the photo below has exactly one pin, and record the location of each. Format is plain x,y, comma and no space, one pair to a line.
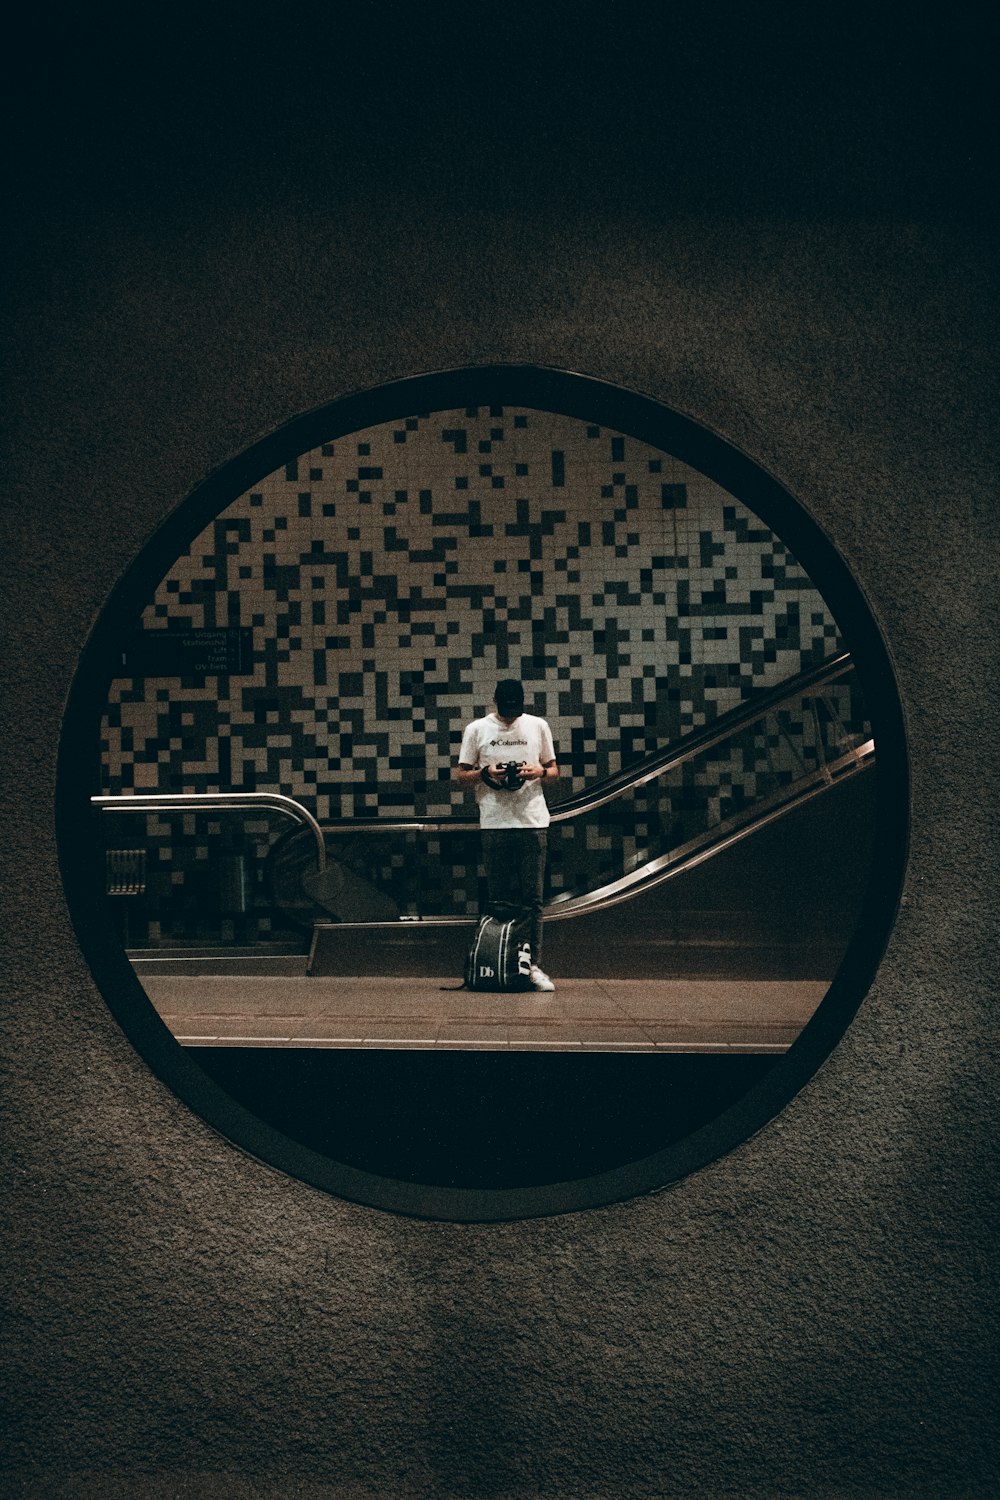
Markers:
741,848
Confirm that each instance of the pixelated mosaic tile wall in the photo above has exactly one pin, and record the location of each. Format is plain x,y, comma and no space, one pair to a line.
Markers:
390,577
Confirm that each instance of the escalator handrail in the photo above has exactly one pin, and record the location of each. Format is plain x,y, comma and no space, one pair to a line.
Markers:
674,862
225,802
714,840
696,742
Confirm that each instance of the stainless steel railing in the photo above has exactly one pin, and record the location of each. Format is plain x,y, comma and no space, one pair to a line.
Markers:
715,839
697,742
223,802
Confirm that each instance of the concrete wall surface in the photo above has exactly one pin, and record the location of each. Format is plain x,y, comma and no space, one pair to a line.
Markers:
813,1315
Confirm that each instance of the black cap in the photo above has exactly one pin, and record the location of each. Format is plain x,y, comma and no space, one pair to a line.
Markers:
509,698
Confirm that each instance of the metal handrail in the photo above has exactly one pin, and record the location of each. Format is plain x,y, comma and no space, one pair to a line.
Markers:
697,742
666,866
715,840
172,802
686,748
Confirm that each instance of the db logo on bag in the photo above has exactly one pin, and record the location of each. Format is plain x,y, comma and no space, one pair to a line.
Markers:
500,955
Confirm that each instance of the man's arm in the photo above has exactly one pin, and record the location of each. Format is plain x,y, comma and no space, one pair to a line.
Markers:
467,775
546,768
544,771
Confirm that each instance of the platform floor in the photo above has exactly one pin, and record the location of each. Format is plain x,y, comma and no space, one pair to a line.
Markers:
605,1015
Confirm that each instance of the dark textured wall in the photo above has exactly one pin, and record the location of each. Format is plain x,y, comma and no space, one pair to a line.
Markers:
811,1315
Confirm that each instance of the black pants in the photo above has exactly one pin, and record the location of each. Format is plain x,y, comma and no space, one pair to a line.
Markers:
514,862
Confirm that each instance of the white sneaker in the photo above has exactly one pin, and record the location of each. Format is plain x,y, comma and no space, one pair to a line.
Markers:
539,981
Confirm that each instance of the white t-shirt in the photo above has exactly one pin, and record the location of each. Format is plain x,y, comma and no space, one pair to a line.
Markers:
490,742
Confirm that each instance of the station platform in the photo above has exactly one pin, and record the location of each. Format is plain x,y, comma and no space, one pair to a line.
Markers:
596,1015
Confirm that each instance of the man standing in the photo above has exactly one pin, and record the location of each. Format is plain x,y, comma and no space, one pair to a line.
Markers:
507,756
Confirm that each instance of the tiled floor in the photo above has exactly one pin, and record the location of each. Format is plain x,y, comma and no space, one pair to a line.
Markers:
586,1014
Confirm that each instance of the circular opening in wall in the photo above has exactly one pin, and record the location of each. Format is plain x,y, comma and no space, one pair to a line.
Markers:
276,869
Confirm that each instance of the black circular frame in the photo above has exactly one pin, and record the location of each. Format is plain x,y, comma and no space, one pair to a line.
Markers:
609,406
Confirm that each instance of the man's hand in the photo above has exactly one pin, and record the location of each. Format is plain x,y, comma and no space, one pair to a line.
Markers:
532,771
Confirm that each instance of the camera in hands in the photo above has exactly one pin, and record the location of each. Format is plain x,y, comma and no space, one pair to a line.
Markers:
509,779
